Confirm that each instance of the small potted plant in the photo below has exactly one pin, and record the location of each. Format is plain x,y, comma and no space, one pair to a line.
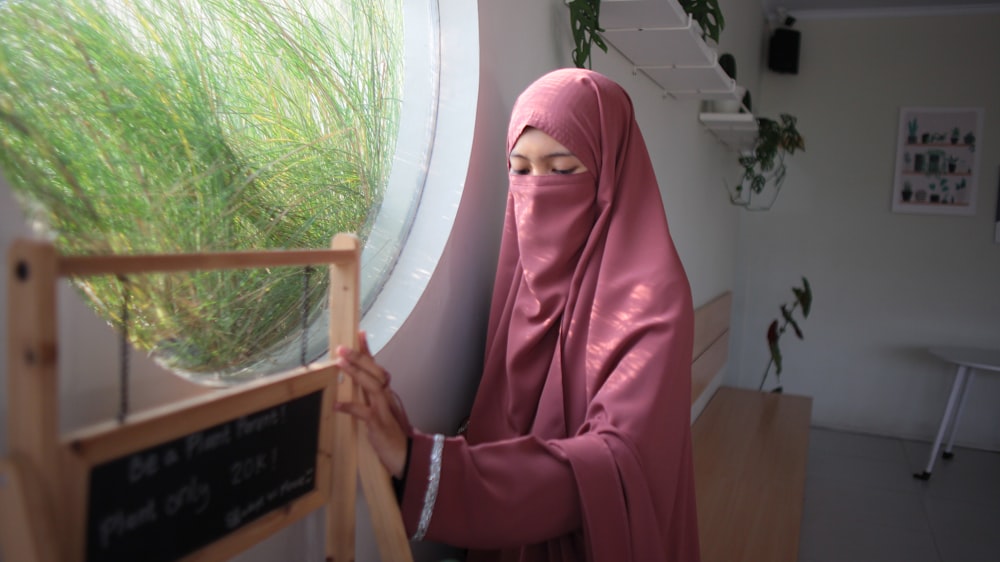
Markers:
728,63
952,164
954,135
970,139
934,195
911,131
936,161
959,187
907,191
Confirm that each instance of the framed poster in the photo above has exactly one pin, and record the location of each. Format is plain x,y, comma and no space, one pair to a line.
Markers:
937,160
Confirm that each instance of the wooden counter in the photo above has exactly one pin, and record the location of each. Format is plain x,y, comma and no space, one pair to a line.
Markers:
750,453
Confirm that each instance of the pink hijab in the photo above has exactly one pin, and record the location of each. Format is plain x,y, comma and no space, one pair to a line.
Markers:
591,329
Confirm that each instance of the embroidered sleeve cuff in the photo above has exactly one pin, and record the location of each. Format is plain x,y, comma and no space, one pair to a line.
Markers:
430,494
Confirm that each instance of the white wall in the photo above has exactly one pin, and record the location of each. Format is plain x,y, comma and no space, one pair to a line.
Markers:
435,356
886,285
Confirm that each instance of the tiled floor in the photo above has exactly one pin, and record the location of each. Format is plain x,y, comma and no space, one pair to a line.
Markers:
863,505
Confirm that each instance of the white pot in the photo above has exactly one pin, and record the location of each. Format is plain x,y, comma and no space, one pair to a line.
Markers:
730,105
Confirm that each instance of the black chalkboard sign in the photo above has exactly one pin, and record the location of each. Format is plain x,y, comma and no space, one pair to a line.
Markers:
167,501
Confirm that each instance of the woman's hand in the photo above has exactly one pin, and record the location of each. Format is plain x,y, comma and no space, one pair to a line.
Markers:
379,407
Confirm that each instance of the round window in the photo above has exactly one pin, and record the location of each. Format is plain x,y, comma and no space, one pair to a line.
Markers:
166,126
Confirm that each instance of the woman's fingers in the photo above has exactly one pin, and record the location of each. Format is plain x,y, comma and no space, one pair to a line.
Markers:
356,409
386,436
380,408
362,368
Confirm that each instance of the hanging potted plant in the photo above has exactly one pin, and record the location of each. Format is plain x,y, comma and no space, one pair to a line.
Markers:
765,163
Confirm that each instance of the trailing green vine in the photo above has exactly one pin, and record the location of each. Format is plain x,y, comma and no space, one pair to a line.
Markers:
584,16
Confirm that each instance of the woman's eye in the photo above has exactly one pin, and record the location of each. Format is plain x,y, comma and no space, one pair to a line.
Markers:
565,172
519,171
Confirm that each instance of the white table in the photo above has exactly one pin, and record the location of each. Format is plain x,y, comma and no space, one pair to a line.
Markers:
968,360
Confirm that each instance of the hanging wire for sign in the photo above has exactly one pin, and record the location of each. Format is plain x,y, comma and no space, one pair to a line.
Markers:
307,271
123,366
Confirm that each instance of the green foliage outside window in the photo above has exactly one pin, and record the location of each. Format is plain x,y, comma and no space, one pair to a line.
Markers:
152,126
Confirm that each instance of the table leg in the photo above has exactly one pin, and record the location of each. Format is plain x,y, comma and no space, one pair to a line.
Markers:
958,415
946,420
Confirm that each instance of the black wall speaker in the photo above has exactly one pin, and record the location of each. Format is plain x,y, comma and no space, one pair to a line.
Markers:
783,52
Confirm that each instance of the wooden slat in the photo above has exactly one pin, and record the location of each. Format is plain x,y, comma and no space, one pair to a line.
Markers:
354,453
390,535
707,365
26,534
161,263
750,452
108,440
344,320
711,342
32,369
711,321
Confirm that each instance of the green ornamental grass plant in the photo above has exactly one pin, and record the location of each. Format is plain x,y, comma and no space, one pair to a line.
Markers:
155,126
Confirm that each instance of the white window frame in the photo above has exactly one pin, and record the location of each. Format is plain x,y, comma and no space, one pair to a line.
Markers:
440,95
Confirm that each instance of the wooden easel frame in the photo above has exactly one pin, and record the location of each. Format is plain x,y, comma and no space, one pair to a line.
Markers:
44,483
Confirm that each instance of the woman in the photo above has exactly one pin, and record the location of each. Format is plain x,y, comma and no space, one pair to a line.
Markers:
578,444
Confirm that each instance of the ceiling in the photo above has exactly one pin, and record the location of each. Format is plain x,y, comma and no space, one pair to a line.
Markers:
791,6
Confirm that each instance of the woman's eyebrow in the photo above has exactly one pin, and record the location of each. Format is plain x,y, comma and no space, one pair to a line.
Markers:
549,155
